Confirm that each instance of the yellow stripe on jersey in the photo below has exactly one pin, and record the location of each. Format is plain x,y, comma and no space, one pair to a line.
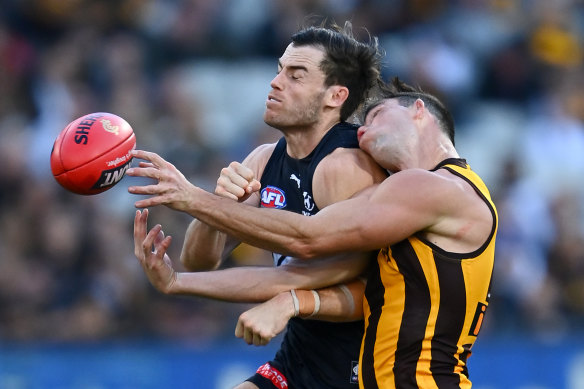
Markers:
424,307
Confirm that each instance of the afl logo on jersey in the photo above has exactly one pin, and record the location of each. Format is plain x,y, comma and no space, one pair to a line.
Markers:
273,197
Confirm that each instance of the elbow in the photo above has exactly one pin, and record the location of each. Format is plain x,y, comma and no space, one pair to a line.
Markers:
307,248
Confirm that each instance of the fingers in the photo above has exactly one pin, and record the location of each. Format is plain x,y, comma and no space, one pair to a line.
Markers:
142,171
159,238
220,191
226,188
239,329
157,191
171,187
150,202
254,186
148,241
250,334
242,171
236,181
161,248
140,225
250,337
154,247
156,159
146,189
229,178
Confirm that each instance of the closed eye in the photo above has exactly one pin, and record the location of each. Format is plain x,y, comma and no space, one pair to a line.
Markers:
371,114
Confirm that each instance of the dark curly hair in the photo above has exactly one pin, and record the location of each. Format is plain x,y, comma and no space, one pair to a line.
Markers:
347,61
406,95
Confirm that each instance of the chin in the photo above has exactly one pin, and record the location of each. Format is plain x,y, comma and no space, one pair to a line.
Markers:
364,145
271,122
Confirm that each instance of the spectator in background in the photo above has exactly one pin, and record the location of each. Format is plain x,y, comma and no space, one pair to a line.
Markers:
55,66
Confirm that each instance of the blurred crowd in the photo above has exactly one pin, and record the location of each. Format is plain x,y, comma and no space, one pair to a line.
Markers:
191,77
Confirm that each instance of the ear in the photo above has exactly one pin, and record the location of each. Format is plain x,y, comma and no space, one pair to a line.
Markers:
420,107
336,95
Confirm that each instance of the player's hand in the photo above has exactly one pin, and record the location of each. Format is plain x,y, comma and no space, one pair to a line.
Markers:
150,249
236,182
263,322
171,189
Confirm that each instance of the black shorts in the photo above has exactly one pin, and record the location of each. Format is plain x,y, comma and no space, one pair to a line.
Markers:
274,375
305,360
271,375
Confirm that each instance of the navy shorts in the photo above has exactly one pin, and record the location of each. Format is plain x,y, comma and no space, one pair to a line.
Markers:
271,375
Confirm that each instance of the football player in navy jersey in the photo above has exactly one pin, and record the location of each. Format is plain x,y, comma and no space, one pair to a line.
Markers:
323,76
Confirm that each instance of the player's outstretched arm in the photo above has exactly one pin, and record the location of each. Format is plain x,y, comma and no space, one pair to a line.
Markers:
403,204
240,284
260,324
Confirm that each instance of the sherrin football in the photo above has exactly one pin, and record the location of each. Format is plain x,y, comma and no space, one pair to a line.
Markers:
92,153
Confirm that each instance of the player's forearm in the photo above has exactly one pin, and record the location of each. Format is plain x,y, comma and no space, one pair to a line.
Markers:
242,284
285,233
343,302
203,247
258,284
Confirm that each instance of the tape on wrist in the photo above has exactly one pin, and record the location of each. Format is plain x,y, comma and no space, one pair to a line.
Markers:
316,303
349,296
295,302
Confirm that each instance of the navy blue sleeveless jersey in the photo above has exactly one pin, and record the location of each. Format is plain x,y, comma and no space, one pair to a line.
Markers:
318,354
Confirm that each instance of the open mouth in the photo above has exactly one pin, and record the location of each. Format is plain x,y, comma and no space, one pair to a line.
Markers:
273,99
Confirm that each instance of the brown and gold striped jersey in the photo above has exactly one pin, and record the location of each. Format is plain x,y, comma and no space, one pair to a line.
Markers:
424,307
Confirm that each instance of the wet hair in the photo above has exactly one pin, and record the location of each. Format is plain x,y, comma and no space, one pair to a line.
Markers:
347,61
407,95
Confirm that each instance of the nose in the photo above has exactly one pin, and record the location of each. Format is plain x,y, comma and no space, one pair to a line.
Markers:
276,82
361,131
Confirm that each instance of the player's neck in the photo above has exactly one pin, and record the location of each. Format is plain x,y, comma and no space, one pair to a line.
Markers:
430,161
426,153
301,141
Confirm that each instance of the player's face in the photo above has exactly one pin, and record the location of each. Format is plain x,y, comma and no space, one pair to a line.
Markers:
388,132
296,97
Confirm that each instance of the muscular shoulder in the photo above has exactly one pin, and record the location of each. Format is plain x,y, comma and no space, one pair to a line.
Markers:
258,158
423,188
342,174
445,208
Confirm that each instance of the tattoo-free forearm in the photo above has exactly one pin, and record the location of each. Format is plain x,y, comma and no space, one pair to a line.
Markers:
343,302
284,232
258,284
203,247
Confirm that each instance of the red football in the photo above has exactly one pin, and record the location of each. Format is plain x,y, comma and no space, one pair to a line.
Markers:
92,153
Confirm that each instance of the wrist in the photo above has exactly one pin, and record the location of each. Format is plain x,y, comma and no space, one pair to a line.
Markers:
175,283
195,199
308,303
286,299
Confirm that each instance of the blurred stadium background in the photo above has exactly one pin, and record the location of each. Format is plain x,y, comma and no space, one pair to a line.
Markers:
191,77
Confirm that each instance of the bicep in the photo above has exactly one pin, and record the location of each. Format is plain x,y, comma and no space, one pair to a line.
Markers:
390,213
